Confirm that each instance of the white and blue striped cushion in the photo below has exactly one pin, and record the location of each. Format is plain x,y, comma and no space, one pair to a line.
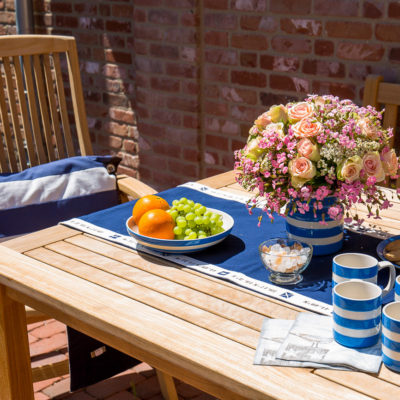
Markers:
44,195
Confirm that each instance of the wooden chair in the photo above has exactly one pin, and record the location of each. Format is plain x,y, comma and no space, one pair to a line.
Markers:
39,124
387,95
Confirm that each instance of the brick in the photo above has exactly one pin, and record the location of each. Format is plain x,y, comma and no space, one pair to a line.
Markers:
7,17
215,108
360,51
221,56
114,71
41,396
331,69
289,83
58,389
269,99
167,117
149,65
223,21
211,91
291,45
52,343
148,32
125,395
129,160
279,63
216,38
191,122
116,128
216,4
248,60
344,91
246,78
165,148
181,35
165,84
115,100
190,87
122,10
118,26
181,70
373,9
108,141
87,8
190,154
388,32
164,51
87,38
49,329
163,17
104,10
139,15
122,57
249,5
290,7
217,142
324,47
309,27
58,7
216,74
38,386
394,9
189,54
91,23
183,104
181,3
65,21
189,19
249,42
359,72
345,8
238,95
394,54
185,169
348,30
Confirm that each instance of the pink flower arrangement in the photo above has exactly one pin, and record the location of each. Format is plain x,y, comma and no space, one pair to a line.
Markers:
320,147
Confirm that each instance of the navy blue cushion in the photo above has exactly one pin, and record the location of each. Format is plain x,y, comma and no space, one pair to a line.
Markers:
46,194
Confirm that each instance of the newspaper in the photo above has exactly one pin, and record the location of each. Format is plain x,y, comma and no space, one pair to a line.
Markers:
308,342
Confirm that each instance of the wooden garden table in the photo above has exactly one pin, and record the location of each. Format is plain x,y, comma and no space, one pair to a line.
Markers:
187,325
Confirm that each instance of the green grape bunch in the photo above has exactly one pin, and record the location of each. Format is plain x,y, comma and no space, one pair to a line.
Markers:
193,220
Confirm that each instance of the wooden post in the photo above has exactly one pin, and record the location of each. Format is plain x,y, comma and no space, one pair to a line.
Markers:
15,362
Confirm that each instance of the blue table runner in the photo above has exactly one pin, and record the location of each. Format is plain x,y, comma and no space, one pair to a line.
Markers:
236,259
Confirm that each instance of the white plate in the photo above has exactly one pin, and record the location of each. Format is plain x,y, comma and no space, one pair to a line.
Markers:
181,246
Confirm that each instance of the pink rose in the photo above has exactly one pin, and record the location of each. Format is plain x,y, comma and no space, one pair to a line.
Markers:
301,170
263,120
307,128
372,165
299,111
368,129
308,149
390,162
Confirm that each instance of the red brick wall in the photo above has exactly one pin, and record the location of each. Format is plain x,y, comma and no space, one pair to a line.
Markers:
104,34
194,74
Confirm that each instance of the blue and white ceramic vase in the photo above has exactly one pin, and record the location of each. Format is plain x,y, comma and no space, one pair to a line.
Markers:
325,238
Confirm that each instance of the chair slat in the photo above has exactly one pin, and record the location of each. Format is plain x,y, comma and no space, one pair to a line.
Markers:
43,107
24,112
53,107
6,128
389,93
63,105
390,120
371,87
33,109
78,101
14,113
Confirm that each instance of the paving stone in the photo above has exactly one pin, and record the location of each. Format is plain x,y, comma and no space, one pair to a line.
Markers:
58,390
50,358
125,395
49,329
114,385
148,388
81,395
49,344
41,396
36,325
144,369
38,386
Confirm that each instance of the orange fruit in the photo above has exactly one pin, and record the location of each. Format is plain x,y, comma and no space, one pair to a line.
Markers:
147,203
158,224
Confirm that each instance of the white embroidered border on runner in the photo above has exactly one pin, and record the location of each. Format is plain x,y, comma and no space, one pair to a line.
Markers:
238,278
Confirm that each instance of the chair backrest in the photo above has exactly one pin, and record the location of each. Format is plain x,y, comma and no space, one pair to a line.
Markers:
387,95
36,126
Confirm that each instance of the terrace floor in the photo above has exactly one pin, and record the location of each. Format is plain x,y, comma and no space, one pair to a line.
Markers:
50,337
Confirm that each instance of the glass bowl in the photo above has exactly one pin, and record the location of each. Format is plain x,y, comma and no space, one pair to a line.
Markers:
285,259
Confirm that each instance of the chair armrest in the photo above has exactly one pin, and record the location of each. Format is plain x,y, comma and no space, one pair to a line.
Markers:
133,187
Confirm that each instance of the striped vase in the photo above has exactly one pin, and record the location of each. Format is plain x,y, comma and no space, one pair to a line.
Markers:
325,239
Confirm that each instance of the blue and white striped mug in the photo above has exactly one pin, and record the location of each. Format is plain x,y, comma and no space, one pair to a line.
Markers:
391,335
397,289
361,266
357,313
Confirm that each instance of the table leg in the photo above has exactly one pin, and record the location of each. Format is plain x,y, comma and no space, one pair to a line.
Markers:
15,362
167,386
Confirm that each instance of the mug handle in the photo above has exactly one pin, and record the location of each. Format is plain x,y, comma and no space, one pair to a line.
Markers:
392,276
